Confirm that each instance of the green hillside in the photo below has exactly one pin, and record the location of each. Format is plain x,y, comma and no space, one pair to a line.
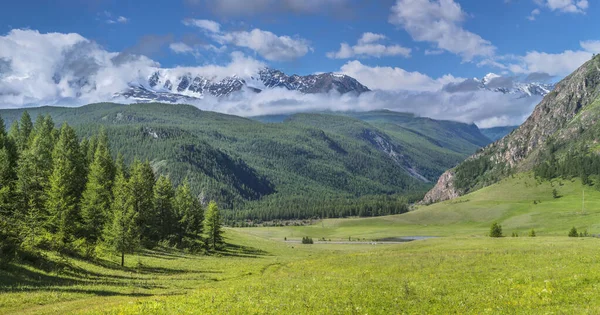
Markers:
519,203
281,170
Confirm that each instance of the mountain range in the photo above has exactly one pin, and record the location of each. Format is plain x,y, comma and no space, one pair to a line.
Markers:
165,85
170,86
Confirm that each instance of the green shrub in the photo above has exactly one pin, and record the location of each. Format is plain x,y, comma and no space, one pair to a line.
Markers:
532,233
496,230
307,240
573,232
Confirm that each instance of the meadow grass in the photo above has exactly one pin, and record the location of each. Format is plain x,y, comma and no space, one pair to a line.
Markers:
461,272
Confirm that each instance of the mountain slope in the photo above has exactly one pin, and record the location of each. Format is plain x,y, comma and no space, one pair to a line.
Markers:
566,118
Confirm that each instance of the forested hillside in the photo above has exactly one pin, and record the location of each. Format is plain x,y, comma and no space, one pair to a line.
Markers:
310,165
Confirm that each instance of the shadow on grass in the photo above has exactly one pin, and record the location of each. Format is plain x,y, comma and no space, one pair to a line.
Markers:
234,250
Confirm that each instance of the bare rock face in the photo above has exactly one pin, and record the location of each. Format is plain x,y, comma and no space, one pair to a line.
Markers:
443,190
550,118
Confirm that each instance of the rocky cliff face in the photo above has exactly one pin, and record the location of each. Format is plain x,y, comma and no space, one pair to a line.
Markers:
517,151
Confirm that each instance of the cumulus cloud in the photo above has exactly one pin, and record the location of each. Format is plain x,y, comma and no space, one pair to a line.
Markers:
395,78
369,46
439,22
68,69
566,6
256,7
268,45
560,64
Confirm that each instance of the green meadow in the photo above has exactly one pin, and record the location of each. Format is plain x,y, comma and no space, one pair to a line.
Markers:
461,271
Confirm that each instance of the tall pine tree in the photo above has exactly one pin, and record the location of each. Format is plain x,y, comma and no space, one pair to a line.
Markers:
96,198
65,186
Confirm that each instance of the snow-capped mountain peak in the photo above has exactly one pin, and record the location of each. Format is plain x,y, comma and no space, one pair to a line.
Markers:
175,85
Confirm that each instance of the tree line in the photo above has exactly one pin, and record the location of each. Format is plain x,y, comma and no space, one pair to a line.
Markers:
60,193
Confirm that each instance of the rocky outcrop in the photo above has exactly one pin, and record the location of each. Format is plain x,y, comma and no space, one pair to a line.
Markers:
554,113
443,190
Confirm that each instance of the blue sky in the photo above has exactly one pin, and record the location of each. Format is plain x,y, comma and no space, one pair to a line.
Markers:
150,27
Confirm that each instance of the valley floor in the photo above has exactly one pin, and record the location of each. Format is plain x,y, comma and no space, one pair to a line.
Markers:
460,272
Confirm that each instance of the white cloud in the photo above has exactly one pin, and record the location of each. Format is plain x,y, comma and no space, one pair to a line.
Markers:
207,25
264,43
566,6
181,48
255,7
393,78
439,22
111,20
267,44
558,64
592,46
368,46
533,14
68,69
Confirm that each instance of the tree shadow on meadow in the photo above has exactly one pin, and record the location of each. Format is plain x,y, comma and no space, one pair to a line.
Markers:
234,250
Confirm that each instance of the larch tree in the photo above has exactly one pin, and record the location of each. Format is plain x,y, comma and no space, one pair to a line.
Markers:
33,180
25,129
163,203
122,233
66,182
97,196
188,211
142,191
212,225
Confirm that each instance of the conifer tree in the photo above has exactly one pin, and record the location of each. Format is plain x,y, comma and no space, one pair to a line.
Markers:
163,202
142,192
96,198
212,225
33,173
122,233
25,129
65,186
189,212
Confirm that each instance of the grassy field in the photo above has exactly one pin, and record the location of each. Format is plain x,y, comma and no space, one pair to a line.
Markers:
461,272
518,204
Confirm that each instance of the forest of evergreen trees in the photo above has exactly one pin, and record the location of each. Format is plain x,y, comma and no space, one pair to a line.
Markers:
586,167
59,193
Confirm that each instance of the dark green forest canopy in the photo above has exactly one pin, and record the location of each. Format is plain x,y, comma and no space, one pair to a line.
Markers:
254,167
